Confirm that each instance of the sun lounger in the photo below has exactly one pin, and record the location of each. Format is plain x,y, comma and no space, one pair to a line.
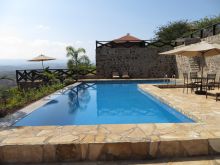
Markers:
115,75
125,75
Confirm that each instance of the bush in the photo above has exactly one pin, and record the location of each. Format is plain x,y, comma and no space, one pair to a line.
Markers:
173,30
69,81
17,98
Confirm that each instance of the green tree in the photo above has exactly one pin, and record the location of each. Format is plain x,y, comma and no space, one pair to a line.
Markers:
84,61
178,29
173,30
77,57
50,76
204,22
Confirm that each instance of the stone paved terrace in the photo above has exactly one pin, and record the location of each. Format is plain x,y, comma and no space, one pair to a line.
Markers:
124,142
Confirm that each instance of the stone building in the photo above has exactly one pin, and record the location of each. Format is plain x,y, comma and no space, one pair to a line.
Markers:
138,57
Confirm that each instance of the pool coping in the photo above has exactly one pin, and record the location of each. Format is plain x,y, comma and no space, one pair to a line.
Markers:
191,139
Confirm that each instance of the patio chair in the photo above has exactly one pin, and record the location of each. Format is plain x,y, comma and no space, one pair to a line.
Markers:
215,93
193,76
115,75
125,75
187,84
210,83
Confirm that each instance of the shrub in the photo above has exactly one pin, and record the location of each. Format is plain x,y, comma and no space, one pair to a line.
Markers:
16,98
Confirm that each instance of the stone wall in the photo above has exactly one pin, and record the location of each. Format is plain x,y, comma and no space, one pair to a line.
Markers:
147,63
138,62
212,64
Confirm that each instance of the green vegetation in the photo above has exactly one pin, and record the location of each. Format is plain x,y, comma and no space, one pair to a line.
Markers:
204,22
13,98
50,77
173,30
177,29
77,58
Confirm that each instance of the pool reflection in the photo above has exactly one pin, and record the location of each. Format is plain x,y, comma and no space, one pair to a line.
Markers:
79,98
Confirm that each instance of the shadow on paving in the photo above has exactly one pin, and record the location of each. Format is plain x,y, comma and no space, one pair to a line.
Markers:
214,160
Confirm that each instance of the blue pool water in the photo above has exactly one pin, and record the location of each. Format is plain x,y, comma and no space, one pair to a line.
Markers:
103,103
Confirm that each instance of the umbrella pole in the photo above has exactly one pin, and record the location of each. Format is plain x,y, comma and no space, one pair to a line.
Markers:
42,64
201,92
202,64
202,72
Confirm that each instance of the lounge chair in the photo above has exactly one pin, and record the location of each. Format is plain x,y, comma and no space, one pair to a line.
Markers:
125,75
115,75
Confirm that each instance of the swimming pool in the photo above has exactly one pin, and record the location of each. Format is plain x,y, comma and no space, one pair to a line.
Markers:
114,102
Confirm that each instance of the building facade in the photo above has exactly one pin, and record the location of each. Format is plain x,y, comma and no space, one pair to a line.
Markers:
137,57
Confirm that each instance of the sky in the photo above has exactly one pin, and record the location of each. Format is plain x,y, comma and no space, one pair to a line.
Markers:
32,27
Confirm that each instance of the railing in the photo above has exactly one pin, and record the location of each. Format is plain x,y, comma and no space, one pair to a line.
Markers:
205,32
36,75
127,44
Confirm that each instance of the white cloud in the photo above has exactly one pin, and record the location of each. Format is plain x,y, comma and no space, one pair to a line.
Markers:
14,46
78,43
17,48
10,40
42,27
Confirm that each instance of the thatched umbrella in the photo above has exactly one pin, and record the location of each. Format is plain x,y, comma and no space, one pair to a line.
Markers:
42,58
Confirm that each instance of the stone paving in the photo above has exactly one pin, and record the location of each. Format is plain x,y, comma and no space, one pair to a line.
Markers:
124,142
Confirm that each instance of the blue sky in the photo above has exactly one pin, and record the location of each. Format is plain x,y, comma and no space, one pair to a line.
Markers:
31,27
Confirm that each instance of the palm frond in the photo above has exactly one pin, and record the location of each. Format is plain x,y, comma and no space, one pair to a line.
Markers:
70,51
81,50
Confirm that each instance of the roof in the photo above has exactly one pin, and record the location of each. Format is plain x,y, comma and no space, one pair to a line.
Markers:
126,38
